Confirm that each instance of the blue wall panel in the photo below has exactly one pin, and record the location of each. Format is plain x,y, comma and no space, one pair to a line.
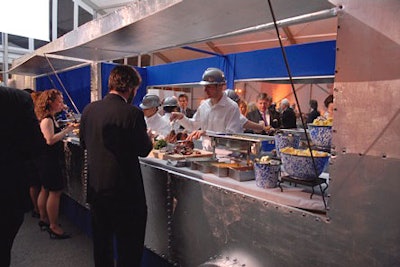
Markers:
105,72
76,82
182,72
313,59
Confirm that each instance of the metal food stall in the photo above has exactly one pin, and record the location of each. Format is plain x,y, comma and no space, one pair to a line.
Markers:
203,219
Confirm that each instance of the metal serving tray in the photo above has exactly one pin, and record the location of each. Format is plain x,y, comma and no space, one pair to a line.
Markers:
242,173
203,166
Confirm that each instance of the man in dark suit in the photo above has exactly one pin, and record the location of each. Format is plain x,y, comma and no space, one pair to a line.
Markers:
288,116
21,140
264,113
314,113
183,101
115,135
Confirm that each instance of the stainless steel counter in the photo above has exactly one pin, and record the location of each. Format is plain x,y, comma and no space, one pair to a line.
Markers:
296,197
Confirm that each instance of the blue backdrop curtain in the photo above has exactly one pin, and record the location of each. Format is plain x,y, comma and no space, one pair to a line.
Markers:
76,82
312,59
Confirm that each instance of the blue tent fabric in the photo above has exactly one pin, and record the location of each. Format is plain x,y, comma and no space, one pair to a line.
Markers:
181,72
312,59
305,60
76,82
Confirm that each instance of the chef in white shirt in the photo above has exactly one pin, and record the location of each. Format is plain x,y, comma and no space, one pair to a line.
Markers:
169,105
156,125
218,113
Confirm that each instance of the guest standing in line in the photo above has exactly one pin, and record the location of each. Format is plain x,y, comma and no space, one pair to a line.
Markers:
264,114
33,171
20,140
183,101
288,116
52,162
246,123
243,107
314,113
328,102
114,134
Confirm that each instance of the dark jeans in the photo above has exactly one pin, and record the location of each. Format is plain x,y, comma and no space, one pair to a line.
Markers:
12,221
124,221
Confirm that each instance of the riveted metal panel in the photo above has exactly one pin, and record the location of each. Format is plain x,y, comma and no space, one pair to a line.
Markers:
367,82
210,223
366,170
158,206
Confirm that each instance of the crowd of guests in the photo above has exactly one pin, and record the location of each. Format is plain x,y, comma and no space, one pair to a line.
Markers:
115,134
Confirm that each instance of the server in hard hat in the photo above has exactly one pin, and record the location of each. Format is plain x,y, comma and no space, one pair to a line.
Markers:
156,125
170,104
218,113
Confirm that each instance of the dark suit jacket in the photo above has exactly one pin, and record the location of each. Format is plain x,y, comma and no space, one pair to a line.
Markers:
288,119
312,116
20,140
115,135
255,116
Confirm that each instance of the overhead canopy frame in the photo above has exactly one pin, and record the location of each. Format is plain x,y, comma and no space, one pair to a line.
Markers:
148,26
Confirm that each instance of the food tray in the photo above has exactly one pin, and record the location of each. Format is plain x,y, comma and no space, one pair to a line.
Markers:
242,173
221,169
203,166
197,153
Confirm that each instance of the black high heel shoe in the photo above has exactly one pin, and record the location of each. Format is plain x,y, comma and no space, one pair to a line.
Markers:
54,235
43,225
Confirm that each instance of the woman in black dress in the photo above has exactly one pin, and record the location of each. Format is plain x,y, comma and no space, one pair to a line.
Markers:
47,105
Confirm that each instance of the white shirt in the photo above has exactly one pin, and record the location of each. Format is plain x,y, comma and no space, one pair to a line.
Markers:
243,120
157,124
173,126
223,117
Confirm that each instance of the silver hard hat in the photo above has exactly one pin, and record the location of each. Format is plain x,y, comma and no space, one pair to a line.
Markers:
213,76
170,101
150,101
232,94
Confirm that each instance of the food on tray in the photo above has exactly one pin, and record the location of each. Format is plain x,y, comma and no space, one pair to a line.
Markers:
303,152
160,144
75,131
173,137
243,168
184,147
322,121
267,160
226,165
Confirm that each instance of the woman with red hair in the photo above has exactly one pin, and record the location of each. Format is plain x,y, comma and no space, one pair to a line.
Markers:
47,105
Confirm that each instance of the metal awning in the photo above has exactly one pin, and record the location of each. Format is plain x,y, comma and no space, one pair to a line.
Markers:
151,25
39,64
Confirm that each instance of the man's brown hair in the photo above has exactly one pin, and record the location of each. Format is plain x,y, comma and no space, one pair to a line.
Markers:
122,78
